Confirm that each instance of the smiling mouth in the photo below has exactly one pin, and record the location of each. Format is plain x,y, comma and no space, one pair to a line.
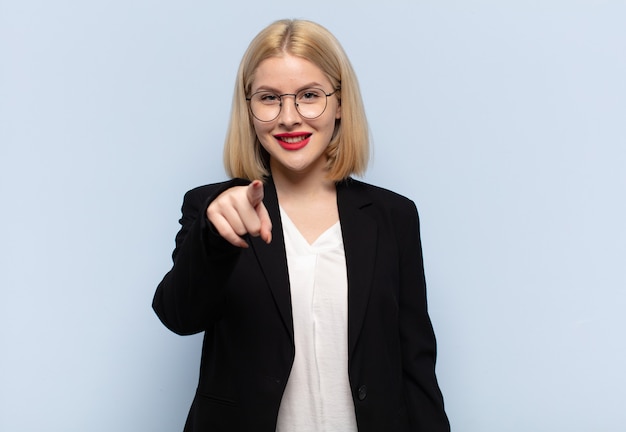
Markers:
293,139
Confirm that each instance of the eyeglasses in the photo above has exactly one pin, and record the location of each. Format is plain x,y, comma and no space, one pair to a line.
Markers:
310,103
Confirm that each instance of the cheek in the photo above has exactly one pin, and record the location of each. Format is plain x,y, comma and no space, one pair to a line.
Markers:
258,127
263,134
332,124
262,130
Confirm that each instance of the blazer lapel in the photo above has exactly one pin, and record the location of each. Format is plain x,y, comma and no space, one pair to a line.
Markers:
360,237
273,259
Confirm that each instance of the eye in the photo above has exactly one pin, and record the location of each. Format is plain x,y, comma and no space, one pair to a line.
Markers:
267,98
310,95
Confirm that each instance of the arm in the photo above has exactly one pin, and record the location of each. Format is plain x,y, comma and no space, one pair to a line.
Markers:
424,399
190,296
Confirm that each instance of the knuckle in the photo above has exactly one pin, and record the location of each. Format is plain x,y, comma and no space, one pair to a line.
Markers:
254,227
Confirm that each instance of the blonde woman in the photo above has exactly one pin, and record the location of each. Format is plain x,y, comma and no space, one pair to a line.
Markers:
308,285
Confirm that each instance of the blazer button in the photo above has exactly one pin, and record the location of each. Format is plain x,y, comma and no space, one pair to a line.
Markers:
362,392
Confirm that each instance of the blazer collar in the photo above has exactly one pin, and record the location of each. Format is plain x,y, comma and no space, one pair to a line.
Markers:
272,258
360,237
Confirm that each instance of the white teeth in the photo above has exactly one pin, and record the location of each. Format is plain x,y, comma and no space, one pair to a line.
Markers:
292,140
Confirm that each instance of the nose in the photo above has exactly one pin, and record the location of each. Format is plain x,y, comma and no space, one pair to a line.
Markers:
289,114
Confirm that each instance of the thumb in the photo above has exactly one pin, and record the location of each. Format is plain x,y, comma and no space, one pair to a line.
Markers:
255,193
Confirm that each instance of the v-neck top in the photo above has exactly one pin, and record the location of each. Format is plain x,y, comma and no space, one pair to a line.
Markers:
317,397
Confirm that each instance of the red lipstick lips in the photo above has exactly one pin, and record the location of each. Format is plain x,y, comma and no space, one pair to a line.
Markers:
293,140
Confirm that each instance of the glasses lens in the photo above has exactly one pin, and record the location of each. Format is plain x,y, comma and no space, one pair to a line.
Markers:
310,103
265,106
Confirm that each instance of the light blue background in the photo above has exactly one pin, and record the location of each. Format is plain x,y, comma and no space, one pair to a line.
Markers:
503,120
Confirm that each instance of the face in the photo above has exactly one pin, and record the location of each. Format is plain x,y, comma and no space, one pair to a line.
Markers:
296,144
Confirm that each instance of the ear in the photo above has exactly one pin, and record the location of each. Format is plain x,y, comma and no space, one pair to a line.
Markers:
338,112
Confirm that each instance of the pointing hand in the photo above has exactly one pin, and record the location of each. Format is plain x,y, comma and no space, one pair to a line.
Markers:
239,211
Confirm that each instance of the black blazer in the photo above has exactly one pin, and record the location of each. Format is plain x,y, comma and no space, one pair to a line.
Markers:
240,298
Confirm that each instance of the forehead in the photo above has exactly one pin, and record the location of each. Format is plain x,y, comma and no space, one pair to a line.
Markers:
288,73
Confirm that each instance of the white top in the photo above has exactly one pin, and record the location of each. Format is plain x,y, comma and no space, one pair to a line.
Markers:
317,397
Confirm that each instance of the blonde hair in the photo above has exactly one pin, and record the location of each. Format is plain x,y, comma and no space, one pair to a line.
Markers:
348,150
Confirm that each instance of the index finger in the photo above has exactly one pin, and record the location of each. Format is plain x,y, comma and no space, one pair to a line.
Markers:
255,193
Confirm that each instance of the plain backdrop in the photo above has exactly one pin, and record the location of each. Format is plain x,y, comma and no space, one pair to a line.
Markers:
505,121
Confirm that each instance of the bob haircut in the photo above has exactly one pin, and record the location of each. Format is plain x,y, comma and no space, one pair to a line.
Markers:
348,150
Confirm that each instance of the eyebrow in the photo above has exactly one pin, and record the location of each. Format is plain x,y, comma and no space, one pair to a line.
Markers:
313,84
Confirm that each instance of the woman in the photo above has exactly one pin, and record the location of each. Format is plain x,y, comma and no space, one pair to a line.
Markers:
309,285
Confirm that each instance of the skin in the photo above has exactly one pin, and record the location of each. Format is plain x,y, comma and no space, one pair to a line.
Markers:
304,192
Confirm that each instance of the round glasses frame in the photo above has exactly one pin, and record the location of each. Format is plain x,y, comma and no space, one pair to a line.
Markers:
295,101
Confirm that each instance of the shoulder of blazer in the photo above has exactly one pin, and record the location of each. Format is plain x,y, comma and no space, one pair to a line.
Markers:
360,194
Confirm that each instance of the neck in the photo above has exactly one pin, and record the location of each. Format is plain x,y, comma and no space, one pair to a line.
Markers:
296,186
302,188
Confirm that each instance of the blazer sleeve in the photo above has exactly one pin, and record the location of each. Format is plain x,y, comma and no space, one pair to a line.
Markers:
424,398
190,296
